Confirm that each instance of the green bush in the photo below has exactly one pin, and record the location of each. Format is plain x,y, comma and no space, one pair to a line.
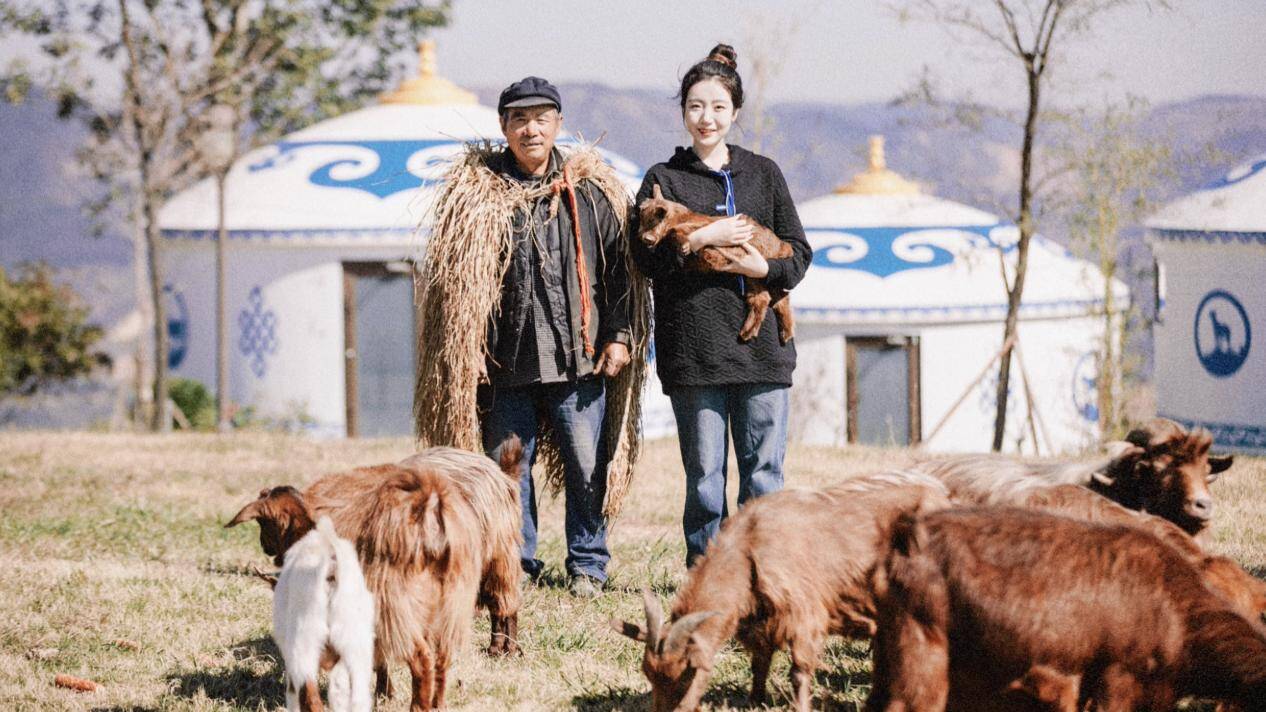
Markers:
44,334
195,401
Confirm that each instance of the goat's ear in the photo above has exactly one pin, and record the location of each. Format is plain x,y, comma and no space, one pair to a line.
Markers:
249,512
1219,464
434,540
628,630
656,193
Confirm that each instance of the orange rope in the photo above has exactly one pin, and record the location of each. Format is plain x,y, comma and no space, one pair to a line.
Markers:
582,265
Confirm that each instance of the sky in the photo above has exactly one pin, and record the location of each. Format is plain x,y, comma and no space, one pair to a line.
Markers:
850,51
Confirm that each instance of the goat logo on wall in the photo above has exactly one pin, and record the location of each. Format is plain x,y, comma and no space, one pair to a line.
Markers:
1086,387
1222,333
177,325
258,332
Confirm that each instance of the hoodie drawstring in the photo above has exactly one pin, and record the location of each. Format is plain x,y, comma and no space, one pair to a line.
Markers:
730,211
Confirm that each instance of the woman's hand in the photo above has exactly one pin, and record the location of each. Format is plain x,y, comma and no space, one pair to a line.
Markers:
750,264
736,230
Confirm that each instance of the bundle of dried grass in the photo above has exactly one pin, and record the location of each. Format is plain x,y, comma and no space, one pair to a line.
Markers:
458,289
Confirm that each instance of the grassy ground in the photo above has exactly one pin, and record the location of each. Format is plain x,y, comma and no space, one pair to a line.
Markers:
115,568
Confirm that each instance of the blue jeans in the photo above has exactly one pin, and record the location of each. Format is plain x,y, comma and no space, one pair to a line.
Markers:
756,415
574,410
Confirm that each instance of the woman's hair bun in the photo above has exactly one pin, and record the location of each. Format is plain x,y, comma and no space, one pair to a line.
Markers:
724,54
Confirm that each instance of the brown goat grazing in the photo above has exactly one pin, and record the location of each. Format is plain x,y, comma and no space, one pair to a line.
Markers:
1000,608
284,518
1161,469
660,218
788,570
471,479
1223,576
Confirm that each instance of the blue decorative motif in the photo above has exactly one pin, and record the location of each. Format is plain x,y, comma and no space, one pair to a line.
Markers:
384,168
177,325
1239,173
380,168
1086,387
258,332
1223,346
988,398
1223,237
883,251
1230,435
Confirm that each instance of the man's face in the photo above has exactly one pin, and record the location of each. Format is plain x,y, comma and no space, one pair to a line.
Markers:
530,132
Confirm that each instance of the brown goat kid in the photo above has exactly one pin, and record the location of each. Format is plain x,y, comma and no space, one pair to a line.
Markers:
788,570
997,608
1161,469
661,218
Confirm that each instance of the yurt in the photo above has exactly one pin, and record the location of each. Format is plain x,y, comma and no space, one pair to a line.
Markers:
900,321
1211,249
323,231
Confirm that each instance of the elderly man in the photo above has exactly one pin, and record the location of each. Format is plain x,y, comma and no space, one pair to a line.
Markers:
562,326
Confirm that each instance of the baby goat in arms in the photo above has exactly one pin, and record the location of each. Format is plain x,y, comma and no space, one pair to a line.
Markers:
323,616
660,218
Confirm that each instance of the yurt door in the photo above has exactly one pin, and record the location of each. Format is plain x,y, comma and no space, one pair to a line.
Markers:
380,337
883,389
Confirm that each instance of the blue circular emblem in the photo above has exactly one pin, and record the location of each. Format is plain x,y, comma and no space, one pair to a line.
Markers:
1221,333
1086,387
177,326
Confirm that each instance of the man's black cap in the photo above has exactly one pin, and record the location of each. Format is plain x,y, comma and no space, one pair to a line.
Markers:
529,91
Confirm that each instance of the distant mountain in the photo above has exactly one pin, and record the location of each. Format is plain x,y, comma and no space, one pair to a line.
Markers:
817,145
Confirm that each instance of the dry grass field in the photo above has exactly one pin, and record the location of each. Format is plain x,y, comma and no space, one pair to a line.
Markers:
115,568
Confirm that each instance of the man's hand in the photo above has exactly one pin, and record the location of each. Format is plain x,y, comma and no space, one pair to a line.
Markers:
612,359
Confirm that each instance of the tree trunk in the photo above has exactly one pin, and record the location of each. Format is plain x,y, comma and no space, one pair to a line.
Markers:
1022,256
223,424
149,216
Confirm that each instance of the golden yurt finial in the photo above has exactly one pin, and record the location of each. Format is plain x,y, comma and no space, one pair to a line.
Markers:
427,87
877,179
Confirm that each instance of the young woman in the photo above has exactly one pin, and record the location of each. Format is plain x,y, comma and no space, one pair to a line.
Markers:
720,387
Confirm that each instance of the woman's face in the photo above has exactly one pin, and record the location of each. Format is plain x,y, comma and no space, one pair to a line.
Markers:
709,113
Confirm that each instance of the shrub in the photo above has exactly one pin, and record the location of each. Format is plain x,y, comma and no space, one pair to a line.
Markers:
44,334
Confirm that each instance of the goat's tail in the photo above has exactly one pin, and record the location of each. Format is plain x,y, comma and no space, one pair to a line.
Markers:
405,525
511,456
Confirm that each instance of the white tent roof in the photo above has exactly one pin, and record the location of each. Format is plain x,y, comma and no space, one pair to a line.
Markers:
368,174
883,252
1235,204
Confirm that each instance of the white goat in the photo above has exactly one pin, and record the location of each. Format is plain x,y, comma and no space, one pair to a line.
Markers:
323,615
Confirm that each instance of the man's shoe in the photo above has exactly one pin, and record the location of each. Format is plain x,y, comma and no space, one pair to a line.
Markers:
583,586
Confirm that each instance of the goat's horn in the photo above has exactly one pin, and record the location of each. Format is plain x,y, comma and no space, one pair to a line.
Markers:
654,616
1102,478
656,193
249,512
680,632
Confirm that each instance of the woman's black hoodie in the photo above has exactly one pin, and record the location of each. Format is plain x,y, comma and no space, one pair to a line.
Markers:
698,315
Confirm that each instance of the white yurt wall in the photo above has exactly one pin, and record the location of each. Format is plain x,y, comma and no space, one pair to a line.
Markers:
900,274
1210,365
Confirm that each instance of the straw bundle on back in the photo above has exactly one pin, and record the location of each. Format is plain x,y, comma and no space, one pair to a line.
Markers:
458,289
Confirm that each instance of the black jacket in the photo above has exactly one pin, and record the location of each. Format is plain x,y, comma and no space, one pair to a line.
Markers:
698,315
603,245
